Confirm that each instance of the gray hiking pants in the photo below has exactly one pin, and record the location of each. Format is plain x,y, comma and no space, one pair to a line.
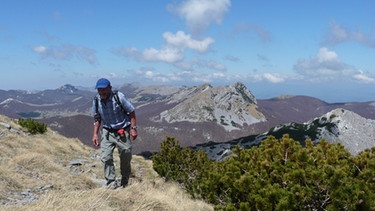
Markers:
109,141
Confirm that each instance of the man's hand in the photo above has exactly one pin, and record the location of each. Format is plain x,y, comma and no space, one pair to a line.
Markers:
133,134
95,140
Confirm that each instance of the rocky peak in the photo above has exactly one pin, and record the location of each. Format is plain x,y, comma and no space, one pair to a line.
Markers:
230,106
245,92
355,132
67,88
204,87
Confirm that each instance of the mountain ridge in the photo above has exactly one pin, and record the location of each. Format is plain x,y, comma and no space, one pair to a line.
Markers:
232,105
67,110
338,126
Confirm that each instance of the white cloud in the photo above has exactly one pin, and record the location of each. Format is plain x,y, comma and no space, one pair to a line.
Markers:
169,55
325,55
172,52
338,34
327,66
199,14
208,78
184,65
363,78
152,75
218,75
270,77
66,52
182,40
273,78
215,65
149,74
200,64
40,49
111,76
166,54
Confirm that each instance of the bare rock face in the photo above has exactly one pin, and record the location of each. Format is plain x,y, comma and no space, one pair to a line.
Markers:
353,131
229,106
339,125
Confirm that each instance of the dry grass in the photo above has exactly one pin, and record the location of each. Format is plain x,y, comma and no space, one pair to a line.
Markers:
39,165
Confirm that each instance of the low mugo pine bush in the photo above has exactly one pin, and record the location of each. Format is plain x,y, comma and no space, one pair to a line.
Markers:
33,126
279,174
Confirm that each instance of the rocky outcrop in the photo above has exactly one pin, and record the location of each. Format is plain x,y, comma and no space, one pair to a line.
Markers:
232,106
353,131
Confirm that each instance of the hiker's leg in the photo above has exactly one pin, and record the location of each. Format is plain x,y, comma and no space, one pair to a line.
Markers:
125,151
107,146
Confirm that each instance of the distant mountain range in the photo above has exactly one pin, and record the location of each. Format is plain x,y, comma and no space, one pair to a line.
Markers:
193,115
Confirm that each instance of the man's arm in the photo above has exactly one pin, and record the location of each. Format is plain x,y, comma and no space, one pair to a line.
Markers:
95,136
133,126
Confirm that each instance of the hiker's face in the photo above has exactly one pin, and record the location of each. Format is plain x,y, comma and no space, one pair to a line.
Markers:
104,92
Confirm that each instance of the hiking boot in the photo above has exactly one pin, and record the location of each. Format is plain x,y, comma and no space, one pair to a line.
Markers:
112,185
124,182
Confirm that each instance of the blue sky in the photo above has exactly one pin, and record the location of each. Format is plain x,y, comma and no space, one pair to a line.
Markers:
323,49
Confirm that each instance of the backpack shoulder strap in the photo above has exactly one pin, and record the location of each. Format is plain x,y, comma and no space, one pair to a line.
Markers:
97,117
117,99
96,103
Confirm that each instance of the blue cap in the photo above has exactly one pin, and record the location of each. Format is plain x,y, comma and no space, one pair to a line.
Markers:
102,83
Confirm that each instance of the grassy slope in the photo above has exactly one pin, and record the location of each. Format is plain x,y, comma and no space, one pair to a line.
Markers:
39,165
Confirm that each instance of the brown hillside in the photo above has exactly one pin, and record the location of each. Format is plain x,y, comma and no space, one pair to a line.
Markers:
52,172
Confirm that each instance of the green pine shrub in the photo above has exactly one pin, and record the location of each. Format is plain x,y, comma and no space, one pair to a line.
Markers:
32,126
183,165
276,175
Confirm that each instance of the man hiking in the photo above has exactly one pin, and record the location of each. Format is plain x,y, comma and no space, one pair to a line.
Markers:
116,114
